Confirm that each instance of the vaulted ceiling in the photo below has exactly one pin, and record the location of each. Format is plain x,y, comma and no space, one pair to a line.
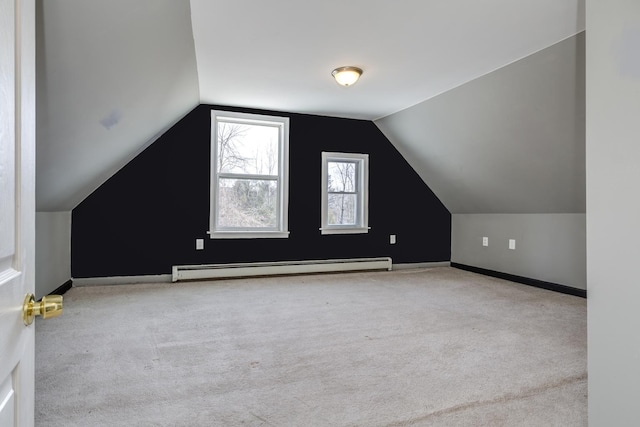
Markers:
113,75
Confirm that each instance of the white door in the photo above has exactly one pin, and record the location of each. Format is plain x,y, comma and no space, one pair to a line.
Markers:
17,208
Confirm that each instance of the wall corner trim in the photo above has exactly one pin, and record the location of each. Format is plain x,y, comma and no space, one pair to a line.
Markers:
409,265
62,289
121,280
524,280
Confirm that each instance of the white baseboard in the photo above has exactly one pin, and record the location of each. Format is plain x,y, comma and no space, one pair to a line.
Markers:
166,278
213,271
406,266
121,280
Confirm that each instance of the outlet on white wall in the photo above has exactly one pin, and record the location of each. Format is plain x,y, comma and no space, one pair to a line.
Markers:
512,244
485,241
199,244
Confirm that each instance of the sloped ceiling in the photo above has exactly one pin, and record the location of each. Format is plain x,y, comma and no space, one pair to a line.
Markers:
112,74
512,141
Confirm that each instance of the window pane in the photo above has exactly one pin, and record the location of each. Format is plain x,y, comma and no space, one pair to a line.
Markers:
341,176
247,148
247,203
341,209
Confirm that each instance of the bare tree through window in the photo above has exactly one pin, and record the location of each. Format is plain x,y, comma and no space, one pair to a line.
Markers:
345,193
248,175
342,192
229,136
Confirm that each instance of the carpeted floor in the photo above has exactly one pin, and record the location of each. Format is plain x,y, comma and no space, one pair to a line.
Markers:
424,347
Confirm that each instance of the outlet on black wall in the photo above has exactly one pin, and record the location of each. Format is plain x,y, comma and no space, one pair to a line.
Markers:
146,217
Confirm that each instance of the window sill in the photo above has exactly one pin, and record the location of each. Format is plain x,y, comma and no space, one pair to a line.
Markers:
341,230
248,234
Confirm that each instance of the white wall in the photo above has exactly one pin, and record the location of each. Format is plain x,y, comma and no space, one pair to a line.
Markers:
549,247
53,251
613,211
112,76
511,141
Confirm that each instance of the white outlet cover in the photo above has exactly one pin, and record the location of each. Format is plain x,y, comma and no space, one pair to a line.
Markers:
512,244
392,239
199,244
485,241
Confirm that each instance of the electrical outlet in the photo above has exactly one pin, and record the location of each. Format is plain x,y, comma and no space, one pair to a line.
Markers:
392,239
485,241
199,244
512,244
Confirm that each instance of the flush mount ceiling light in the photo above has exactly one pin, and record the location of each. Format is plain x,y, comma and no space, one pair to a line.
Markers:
346,76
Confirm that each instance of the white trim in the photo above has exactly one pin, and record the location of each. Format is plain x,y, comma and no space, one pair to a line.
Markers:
240,176
217,271
344,156
411,265
120,280
168,278
362,214
282,178
8,274
345,230
249,234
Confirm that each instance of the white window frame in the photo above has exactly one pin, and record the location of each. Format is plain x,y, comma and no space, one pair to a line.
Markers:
282,227
362,181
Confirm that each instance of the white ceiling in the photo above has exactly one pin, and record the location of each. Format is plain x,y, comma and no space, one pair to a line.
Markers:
114,74
279,54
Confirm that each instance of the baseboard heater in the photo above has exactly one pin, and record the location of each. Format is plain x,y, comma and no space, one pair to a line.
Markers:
219,271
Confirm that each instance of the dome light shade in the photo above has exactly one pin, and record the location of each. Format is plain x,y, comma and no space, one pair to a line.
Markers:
346,76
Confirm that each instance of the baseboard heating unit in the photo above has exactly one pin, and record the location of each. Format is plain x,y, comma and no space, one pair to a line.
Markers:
219,271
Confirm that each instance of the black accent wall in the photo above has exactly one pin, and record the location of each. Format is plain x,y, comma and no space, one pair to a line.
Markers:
146,217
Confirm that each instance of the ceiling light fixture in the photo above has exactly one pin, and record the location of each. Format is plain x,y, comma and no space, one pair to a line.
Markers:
346,76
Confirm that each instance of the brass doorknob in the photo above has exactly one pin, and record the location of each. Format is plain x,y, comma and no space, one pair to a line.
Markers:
48,307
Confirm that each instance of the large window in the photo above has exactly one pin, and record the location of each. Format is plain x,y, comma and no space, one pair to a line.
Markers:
249,184
345,198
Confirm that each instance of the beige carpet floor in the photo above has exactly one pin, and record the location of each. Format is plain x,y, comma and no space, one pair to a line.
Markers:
424,347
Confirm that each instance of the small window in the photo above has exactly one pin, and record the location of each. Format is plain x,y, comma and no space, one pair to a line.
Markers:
345,199
249,175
